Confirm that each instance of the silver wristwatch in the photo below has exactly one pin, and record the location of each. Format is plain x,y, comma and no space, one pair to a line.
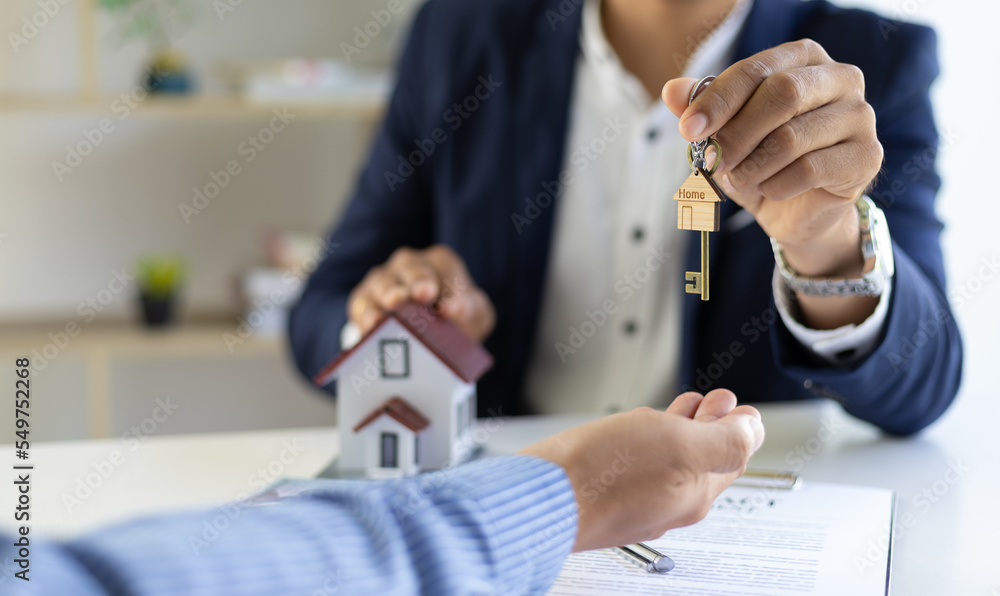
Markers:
876,247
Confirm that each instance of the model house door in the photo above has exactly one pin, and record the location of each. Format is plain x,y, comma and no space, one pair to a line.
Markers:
389,450
687,218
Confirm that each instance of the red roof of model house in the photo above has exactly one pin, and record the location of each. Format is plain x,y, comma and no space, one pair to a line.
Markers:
399,410
465,357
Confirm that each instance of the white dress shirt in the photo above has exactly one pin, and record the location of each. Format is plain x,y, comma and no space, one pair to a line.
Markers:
610,327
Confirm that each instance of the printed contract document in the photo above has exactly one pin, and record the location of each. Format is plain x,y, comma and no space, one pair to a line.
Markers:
827,539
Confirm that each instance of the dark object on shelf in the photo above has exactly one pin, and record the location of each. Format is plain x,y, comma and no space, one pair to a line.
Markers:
168,73
160,278
175,83
157,311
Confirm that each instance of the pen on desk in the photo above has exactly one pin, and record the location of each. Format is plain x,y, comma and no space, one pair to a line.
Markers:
647,557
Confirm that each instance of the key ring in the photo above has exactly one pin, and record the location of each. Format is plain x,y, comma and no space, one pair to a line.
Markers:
696,150
697,159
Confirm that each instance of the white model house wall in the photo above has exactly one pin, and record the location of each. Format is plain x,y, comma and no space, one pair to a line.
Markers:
429,386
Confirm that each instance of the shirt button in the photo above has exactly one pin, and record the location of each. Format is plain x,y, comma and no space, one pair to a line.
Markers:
651,134
638,233
631,327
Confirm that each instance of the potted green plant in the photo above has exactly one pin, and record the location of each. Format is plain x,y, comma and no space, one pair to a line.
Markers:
160,279
157,23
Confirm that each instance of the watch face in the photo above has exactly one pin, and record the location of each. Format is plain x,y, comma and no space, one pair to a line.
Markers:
882,243
885,247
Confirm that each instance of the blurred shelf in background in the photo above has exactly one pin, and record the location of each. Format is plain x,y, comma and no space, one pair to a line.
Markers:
121,380
191,106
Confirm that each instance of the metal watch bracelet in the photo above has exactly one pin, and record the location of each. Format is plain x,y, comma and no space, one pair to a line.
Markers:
876,249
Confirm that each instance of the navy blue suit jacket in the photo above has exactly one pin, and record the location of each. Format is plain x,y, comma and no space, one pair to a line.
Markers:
482,97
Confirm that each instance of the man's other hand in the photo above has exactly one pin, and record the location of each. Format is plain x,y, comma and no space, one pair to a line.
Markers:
433,276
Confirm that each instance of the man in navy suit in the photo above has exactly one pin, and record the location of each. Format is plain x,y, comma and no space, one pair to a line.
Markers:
522,181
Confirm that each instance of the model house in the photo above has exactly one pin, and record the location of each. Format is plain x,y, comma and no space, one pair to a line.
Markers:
406,394
698,204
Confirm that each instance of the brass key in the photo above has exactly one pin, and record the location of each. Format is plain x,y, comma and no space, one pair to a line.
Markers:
698,208
698,201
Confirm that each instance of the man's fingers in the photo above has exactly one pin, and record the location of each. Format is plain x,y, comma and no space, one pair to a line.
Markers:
812,131
435,275
716,404
472,311
422,280
727,94
783,98
451,271
685,404
386,289
460,299
363,310
676,93
825,170
416,273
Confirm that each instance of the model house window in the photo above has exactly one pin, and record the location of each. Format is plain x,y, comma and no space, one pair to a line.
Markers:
394,356
390,446
416,450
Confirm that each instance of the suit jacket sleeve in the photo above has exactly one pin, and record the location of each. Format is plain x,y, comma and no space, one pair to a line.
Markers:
914,372
391,207
501,525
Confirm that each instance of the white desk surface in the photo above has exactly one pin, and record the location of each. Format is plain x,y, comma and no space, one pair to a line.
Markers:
949,546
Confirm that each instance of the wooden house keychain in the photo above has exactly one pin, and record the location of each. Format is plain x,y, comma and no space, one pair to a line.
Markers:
698,200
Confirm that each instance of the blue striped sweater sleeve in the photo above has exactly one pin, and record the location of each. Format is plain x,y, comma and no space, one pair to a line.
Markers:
498,526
